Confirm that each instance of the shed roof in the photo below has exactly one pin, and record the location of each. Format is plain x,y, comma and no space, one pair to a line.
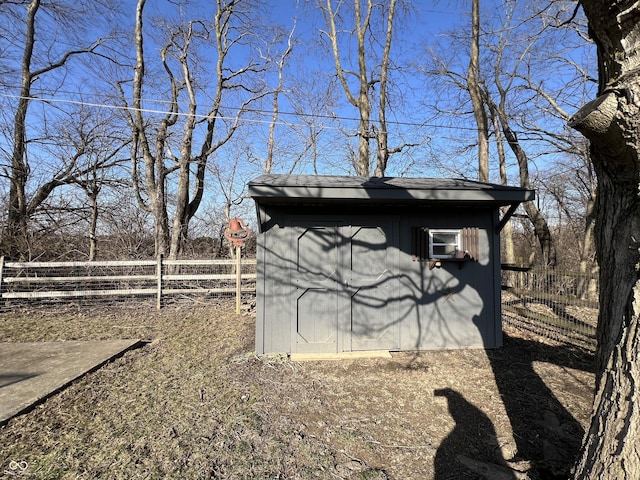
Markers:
321,189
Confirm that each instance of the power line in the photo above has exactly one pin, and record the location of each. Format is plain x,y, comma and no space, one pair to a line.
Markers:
224,117
261,112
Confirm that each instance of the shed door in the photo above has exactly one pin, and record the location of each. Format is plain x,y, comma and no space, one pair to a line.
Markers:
345,282
315,276
373,286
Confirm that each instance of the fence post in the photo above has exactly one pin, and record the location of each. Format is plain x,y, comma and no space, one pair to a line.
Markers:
159,282
238,279
1,273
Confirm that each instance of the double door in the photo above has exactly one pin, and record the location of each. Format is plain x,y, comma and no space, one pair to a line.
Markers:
345,278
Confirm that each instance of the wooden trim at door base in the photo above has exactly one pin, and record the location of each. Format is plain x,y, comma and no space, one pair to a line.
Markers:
306,357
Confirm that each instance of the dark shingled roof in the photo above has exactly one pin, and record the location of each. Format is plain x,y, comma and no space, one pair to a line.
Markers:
329,189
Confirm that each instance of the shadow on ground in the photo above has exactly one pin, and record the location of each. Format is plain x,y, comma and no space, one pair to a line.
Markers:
547,435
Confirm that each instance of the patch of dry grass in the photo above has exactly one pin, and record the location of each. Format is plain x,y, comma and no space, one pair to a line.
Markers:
196,403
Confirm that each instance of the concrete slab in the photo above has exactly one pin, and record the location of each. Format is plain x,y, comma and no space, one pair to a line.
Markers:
31,372
306,357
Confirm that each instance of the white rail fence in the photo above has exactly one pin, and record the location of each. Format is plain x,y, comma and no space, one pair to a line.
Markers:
551,303
88,282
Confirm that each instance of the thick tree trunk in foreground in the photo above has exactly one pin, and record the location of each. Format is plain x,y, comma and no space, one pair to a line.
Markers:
612,123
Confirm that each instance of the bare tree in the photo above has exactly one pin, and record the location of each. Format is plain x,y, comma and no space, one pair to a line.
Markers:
499,107
312,100
101,146
381,131
360,99
359,84
82,149
612,124
538,220
126,227
476,94
36,64
527,111
275,105
570,183
509,255
187,167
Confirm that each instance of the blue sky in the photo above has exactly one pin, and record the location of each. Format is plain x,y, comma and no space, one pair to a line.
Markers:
445,144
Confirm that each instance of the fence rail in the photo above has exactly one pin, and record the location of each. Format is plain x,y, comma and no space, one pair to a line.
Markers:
31,282
553,303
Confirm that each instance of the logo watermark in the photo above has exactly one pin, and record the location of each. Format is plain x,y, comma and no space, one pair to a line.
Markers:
16,468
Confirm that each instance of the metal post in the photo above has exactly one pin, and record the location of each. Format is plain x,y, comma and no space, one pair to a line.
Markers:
238,280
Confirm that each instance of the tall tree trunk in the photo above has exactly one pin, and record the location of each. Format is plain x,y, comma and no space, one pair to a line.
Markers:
363,136
17,215
475,92
612,123
191,186
19,209
364,103
382,136
361,101
585,283
155,171
275,105
507,231
183,213
93,223
539,222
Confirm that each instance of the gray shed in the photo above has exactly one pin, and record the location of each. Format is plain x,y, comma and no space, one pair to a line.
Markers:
354,263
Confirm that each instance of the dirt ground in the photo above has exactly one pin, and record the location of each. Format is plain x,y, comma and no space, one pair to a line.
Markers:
196,403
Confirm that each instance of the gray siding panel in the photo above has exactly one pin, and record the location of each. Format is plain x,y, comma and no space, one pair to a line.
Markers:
372,284
315,269
350,283
277,290
448,307
260,293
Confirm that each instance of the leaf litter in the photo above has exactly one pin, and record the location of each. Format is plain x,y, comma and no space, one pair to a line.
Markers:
197,403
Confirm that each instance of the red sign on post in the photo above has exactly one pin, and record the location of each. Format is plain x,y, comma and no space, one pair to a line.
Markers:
237,232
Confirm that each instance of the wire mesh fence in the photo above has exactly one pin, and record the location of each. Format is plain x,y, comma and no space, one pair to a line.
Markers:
555,304
552,303
96,283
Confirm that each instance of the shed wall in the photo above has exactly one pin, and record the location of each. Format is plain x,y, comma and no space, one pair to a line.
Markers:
350,283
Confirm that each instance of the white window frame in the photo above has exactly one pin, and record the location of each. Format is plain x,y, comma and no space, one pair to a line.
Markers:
457,244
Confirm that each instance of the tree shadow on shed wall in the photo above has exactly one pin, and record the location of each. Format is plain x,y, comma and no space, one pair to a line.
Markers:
545,432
